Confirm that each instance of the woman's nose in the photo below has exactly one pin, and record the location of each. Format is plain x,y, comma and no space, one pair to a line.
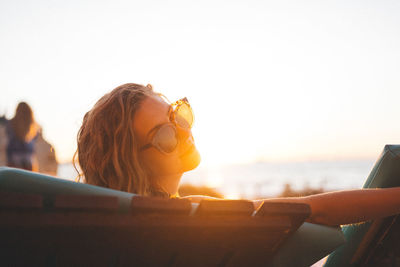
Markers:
185,135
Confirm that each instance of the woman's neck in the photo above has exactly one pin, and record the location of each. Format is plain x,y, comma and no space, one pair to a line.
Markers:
169,183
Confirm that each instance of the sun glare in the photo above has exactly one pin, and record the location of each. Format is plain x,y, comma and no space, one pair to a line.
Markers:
232,195
214,179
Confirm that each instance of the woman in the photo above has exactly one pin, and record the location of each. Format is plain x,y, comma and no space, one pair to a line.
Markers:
22,132
115,147
134,140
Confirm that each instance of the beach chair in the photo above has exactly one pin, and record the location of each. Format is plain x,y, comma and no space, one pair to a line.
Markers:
374,243
45,221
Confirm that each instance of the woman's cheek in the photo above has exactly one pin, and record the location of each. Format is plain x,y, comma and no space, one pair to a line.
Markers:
164,165
172,165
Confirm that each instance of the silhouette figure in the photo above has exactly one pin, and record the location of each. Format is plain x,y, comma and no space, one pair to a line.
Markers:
22,144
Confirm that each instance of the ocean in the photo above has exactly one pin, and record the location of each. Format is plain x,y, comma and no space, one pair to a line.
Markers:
266,179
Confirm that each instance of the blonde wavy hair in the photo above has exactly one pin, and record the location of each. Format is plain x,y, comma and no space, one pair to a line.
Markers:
107,146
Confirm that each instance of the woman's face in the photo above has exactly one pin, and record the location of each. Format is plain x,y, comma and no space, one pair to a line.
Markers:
153,112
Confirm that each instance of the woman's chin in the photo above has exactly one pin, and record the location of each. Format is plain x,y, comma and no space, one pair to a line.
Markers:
191,160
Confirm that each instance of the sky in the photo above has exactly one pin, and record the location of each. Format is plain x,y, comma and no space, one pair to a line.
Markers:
267,80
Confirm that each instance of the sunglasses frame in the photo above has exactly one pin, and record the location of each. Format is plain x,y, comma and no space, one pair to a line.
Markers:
173,123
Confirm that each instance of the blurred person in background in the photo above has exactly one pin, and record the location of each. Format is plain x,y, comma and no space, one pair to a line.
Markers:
22,144
22,133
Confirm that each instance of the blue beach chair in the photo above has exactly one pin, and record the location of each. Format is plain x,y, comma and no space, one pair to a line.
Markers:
46,221
374,243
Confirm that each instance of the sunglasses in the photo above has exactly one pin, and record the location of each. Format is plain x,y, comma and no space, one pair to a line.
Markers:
165,137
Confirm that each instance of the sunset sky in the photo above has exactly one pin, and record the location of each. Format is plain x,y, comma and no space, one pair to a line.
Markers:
268,80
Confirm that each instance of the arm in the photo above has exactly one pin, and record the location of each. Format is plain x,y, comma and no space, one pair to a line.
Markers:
349,206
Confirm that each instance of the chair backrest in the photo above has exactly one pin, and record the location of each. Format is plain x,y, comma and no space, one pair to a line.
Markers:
362,238
22,181
49,221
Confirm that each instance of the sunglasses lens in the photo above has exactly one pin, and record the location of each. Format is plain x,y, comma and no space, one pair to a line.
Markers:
165,138
184,116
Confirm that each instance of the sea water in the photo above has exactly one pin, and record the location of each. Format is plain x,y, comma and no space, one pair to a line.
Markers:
266,179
